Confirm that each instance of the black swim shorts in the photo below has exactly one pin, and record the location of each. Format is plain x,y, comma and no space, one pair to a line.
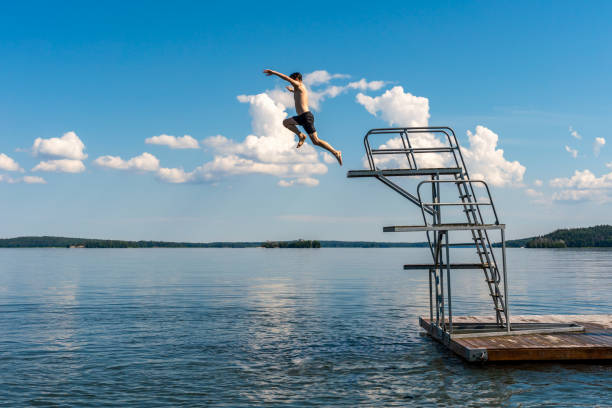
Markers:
306,120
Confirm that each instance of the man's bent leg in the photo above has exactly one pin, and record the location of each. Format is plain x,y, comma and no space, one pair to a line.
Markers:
322,143
291,124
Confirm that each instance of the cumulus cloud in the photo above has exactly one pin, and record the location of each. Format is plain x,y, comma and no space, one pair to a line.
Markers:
61,166
584,179
486,161
609,165
538,183
583,185
575,133
173,142
69,146
598,144
8,164
144,162
397,107
571,151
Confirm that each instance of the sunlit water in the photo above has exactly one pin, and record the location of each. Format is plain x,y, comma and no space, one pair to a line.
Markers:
238,327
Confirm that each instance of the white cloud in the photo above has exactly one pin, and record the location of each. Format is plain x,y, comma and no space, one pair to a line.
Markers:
397,107
173,175
581,195
584,179
320,77
575,133
609,165
364,85
571,151
8,164
583,186
69,146
7,179
173,142
144,162
486,162
598,144
61,166
538,183
34,180
306,181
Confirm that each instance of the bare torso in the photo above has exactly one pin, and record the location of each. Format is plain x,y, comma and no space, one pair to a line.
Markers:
300,96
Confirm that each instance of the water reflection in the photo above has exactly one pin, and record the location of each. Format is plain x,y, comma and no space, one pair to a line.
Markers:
286,327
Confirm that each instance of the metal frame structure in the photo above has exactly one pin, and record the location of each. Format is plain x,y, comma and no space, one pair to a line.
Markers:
476,222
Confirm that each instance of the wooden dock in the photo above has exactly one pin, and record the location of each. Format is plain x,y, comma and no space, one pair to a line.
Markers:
594,343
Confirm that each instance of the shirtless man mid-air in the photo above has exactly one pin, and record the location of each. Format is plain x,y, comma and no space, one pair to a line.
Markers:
304,118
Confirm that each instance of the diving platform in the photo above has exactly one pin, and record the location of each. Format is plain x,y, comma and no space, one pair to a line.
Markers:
403,172
498,337
534,338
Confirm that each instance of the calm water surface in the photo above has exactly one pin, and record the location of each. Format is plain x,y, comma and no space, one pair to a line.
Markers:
240,327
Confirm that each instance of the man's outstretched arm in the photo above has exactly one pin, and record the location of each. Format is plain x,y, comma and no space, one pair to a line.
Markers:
292,81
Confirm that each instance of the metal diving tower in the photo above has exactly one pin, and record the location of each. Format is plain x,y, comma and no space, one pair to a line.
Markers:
467,210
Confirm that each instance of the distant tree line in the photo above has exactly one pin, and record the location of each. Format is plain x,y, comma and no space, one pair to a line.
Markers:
301,243
64,242
599,236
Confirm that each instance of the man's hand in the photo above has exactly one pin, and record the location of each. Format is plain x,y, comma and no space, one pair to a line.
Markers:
268,72
290,89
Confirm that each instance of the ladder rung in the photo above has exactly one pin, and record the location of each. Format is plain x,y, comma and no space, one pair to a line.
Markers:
443,266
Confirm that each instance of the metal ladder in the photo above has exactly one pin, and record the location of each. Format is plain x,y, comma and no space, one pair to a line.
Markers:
437,231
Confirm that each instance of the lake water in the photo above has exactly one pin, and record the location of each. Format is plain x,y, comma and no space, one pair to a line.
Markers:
285,327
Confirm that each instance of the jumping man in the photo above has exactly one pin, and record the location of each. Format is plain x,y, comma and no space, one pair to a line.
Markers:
304,117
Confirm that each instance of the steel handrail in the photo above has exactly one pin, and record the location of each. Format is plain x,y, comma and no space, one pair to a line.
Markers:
405,131
461,203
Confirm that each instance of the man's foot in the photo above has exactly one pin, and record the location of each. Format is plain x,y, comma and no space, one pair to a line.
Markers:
338,155
301,142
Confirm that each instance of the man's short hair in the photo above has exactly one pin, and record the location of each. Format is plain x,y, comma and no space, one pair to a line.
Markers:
297,76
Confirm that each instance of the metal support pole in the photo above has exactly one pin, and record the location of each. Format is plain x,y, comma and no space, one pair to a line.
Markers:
448,285
430,299
439,268
506,310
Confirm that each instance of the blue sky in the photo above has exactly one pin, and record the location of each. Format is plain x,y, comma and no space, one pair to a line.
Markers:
118,73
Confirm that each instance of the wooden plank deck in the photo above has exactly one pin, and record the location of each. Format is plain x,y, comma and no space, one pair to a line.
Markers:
594,343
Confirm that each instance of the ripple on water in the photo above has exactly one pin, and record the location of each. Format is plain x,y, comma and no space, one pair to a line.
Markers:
288,327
